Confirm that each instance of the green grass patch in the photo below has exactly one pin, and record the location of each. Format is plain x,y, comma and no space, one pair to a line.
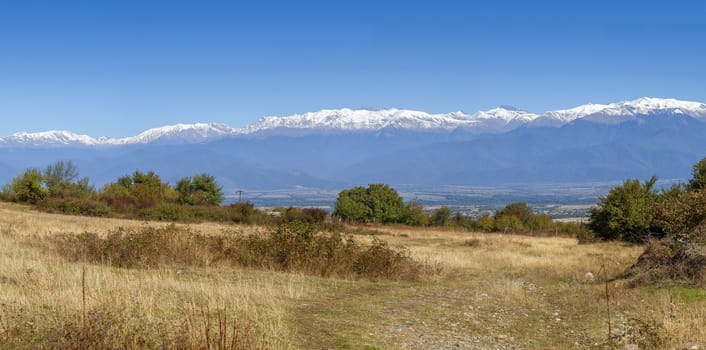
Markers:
688,294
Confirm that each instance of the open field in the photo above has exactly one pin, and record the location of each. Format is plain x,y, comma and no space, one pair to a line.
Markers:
491,291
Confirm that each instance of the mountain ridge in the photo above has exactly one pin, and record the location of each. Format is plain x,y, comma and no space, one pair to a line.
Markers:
496,120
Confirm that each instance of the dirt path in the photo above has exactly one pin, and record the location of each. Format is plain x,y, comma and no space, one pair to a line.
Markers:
443,315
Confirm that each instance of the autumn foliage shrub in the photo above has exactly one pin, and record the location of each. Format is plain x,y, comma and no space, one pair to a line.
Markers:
292,247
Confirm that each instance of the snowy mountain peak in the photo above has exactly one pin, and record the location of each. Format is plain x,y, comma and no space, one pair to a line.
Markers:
506,114
346,119
185,133
628,109
647,105
49,138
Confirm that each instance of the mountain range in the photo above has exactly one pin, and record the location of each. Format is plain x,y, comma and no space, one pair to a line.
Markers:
335,148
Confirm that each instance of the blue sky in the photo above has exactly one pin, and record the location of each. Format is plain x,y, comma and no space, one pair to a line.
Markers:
115,68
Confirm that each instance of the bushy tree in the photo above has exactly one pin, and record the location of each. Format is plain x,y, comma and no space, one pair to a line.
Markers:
539,222
199,190
486,223
386,204
28,187
681,214
508,223
441,216
698,172
520,210
627,213
414,214
353,205
378,203
461,220
142,190
62,181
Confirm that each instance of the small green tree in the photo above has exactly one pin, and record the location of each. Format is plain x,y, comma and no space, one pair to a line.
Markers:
508,223
29,187
142,190
201,189
353,205
540,222
386,204
486,223
414,214
627,212
441,216
520,210
62,181
698,172
378,203
461,220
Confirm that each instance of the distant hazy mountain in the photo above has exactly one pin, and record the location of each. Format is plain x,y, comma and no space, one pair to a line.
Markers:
341,147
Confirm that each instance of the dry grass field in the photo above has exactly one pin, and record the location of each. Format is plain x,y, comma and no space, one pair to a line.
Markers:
488,291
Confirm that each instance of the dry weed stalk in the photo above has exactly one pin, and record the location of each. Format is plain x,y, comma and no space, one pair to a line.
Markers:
607,300
83,296
227,335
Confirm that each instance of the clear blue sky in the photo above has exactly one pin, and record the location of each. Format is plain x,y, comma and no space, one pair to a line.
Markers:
115,68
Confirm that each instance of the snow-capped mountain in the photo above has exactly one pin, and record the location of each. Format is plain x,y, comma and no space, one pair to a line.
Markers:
181,133
52,138
497,120
626,110
494,120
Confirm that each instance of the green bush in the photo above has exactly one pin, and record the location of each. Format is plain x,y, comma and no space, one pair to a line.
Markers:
378,203
627,213
508,223
414,215
441,217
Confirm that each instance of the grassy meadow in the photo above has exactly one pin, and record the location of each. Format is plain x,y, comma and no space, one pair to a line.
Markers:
477,291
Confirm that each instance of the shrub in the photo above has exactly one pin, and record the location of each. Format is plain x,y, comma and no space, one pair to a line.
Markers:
105,328
441,216
74,206
520,210
627,213
586,236
291,247
115,327
28,187
414,215
508,223
310,215
540,222
669,261
486,223
200,190
380,261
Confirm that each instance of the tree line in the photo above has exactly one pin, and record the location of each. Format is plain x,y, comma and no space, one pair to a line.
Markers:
379,203
141,190
142,195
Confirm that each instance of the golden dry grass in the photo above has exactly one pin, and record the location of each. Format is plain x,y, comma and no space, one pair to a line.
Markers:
494,291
